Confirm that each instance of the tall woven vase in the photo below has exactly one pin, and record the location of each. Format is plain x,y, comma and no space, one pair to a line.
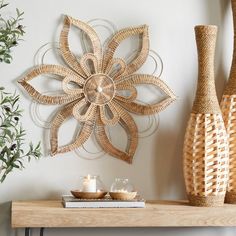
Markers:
228,107
205,146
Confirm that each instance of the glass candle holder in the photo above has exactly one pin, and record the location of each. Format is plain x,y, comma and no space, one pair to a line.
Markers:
122,189
91,183
90,187
121,185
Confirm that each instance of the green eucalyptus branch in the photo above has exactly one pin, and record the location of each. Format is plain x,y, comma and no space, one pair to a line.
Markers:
12,136
11,32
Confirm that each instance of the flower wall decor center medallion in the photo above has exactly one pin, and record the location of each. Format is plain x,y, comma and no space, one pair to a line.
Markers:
99,89
96,100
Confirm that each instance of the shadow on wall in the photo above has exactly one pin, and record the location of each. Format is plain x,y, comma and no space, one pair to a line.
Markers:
5,209
5,219
139,232
221,8
168,168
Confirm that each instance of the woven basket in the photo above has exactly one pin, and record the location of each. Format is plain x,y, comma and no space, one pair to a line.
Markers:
205,146
228,107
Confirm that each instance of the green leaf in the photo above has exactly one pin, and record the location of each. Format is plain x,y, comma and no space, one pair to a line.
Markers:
11,32
17,11
7,61
3,5
12,136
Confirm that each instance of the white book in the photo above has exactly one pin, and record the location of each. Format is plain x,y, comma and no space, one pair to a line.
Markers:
70,201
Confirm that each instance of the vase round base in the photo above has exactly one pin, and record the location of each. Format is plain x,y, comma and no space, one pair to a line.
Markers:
206,201
230,197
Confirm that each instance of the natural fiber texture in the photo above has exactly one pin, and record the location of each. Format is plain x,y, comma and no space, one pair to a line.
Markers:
228,107
206,99
230,197
206,144
131,129
94,89
205,156
209,201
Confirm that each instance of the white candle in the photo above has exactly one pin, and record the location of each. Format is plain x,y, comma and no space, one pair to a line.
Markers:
122,191
89,184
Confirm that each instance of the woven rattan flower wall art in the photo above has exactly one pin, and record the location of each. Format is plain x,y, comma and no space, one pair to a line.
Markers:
96,101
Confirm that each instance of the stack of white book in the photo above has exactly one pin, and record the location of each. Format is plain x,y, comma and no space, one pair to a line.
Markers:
70,201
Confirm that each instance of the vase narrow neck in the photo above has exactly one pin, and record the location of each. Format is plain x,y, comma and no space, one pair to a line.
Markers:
233,7
231,85
206,100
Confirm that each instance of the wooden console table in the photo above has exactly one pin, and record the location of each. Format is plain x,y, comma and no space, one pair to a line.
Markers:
44,214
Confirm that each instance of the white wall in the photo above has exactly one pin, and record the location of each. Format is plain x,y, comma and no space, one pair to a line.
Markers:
157,168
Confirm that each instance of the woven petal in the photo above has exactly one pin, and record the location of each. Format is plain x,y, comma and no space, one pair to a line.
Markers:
114,114
150,109
65,73
87,115
130,127
124,87
66,53
73,91
114,42
111,68
85,131
88,68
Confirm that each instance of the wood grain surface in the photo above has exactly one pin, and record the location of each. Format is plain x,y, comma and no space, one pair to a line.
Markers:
156,214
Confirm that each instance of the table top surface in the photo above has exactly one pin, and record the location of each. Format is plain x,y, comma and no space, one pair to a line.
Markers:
157,213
